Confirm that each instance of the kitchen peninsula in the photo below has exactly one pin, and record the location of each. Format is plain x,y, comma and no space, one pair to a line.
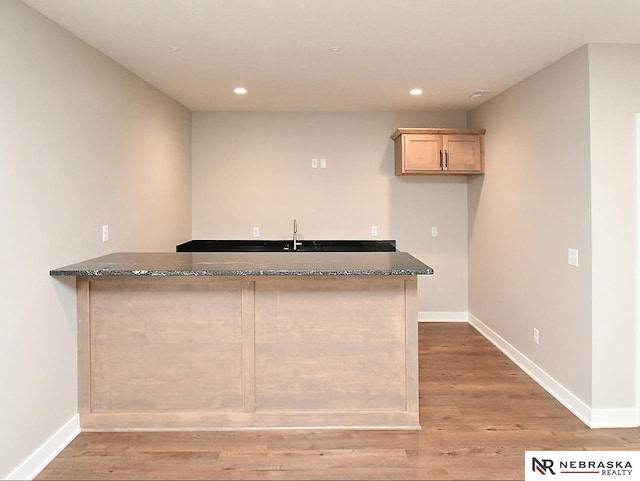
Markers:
247,340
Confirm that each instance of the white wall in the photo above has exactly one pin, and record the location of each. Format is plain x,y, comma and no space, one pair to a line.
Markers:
254,169
531,206
562,172
84,143
614,78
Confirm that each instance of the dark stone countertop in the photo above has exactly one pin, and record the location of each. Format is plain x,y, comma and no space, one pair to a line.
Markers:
248,264
259,245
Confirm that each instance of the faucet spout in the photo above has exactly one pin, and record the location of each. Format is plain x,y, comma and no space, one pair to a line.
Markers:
295,235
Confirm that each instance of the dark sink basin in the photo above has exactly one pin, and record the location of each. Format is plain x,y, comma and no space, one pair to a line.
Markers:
287,246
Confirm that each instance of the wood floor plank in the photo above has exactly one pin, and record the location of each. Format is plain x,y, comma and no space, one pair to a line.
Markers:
478,411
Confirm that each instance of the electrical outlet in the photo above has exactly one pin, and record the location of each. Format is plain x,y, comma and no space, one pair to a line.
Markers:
434,232
536,336
256,232
314,163
105,233
374,231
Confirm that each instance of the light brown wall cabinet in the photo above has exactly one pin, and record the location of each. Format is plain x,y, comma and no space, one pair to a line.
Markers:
439,151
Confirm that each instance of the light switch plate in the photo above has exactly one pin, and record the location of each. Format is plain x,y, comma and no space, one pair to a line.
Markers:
572,257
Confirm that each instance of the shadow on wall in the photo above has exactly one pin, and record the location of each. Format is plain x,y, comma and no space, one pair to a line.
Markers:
65,289
417,205
474,191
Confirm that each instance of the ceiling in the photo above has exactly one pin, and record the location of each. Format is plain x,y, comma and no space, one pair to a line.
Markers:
198,51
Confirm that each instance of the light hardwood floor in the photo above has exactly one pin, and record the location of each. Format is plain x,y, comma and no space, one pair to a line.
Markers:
478,412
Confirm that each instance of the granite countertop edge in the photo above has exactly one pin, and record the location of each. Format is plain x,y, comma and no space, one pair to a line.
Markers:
121,264
233,273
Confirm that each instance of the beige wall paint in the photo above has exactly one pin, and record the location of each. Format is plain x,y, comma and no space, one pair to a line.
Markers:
564,173
84,143
531,206
254,169
615,99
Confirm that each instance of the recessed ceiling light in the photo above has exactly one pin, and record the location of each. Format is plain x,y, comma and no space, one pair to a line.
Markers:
240,90
336,49
174,49
415,91
478,93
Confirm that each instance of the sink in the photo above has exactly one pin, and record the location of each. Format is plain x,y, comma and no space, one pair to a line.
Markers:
287,246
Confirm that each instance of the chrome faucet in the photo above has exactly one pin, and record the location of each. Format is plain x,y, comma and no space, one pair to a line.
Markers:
295,235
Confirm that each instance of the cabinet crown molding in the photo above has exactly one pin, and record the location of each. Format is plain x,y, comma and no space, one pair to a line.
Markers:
439,131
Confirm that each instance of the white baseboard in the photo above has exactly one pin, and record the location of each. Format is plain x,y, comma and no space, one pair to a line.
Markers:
614,418
42,456
429,316
553,387
594,418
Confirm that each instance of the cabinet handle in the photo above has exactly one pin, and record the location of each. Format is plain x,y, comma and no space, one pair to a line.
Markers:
441,166
446,159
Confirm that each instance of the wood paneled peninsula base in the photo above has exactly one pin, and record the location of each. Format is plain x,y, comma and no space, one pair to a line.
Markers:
247,340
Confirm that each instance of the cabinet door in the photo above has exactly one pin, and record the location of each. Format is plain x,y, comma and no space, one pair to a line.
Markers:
464,153
421,152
